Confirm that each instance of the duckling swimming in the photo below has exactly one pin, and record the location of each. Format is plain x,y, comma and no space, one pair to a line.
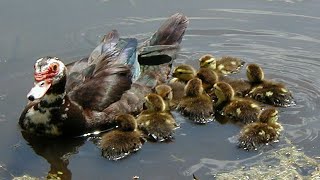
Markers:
122,141
266,91
239,109
165,91
196,104
184,73
267,130
156,121
225,65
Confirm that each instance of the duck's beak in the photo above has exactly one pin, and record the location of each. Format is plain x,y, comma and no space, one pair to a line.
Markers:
39,90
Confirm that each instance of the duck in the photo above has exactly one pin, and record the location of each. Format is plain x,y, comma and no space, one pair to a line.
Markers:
87,95
267,91
155,121
224,66
165,91
266,130
122,141
196,104
208,62
183,73
243,110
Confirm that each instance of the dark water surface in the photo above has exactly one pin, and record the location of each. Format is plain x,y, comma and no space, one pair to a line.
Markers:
281,35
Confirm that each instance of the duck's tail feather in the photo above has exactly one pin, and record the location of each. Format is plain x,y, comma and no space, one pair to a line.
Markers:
170,32
166,40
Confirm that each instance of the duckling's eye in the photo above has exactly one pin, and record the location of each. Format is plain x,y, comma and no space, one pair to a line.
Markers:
259,96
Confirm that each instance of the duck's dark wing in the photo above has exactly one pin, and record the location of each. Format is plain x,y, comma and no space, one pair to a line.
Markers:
108,44
110,78
105,87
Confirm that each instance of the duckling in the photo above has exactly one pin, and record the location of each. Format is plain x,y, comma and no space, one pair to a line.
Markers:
165,91
183,73
225,65
267,130
122,141
266,91
208,78
156,121
196,104
241,87
236,108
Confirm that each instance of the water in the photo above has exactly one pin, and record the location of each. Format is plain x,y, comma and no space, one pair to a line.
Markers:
281,35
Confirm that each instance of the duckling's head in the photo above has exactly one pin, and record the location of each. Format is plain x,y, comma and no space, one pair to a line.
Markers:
126,122
154,102
223,91
269,115
208,77
164,91
208,61
48,71
184,72
255,73
193,88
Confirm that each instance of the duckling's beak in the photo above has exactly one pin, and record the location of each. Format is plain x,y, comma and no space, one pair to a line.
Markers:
39,90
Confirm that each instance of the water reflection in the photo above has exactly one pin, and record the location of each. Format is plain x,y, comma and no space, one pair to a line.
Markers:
57,152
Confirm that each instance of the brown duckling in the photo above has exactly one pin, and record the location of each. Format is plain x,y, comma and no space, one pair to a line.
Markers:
196,104
165,91
225,65
241,87
208,78
122,141
266,91
156,121
267,130
239,109
183,73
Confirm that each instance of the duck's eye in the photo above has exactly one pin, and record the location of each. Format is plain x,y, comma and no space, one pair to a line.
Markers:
54,67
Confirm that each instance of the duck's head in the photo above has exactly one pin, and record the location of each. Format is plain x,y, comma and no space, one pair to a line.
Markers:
208,77
48,71
208,61
164,91
223,91
184,72
126,122
154,102
193,88
269,115
255,73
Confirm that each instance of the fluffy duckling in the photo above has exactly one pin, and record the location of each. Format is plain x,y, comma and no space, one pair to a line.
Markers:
156,121
196,104
239,109
225,65
184,73
208,78
241,87
122,141
267,130
165,91
266,91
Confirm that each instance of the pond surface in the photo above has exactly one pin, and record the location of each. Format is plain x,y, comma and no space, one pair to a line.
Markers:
281,35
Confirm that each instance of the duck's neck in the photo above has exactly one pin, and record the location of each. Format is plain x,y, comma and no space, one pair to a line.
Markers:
55,95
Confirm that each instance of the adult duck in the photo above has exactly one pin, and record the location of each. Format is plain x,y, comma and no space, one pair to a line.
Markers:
87,95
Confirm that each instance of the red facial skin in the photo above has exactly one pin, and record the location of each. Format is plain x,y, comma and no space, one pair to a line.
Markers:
47,74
